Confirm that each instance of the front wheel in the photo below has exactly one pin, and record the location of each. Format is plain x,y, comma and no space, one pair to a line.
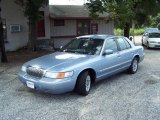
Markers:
134,66
83,84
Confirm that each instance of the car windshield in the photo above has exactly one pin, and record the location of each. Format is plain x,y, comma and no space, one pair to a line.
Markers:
89,46
154,35
151,30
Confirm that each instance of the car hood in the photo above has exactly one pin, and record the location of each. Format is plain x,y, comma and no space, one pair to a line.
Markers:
59,61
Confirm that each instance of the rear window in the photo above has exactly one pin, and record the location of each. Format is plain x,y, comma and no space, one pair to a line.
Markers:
154,35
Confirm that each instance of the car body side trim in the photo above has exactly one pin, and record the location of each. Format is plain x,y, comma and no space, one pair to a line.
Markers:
115,66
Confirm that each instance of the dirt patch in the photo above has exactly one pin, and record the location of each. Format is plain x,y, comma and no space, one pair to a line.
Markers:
24,55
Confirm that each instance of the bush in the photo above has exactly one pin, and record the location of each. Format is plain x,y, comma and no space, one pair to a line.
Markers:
139,31
118,31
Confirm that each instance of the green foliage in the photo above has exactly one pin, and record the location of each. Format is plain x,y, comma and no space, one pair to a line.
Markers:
118,31
31,11
138,31
31,8
124,12
155,21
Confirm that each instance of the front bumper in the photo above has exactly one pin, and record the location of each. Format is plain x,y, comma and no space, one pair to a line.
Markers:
55,86
154,45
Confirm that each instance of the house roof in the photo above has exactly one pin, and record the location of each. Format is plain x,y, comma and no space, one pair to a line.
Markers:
70,11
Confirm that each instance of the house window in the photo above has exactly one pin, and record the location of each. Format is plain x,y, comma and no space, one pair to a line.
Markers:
59,23
83,27
94,28
41,25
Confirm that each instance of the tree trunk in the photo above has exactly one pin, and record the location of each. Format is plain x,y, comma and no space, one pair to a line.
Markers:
32,36
2,44
126,30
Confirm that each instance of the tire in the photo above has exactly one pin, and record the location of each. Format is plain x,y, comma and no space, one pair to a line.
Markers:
134,66
83,84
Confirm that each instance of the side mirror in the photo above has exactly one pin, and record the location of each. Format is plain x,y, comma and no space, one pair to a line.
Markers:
107,52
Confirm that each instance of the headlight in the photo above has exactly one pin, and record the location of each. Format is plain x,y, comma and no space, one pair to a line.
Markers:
59,75
23,68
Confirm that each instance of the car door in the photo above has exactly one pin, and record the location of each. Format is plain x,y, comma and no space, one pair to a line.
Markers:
126,54
109,64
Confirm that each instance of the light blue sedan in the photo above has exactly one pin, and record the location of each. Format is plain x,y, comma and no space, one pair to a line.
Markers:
82,62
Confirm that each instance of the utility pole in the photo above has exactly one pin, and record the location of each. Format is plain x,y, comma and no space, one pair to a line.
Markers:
2,44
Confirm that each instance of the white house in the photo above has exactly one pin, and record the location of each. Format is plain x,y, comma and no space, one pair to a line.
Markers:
60,24
68,21
16,27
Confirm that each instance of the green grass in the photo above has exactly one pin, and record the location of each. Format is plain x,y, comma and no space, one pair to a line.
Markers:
139,31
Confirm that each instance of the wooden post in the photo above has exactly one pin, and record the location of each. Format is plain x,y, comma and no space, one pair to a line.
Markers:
2,44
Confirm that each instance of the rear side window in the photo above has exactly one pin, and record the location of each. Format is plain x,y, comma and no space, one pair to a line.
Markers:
123,44
127,44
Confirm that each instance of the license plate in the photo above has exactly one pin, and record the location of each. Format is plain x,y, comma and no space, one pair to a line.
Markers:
30,84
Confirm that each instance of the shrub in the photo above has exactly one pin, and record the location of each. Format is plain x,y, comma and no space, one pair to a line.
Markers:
118,31
137,31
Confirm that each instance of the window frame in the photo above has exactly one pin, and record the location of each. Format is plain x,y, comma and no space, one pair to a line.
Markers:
83,21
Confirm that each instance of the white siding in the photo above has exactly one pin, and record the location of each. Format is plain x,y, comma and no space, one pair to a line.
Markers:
105,28
58,42
68,30
14,15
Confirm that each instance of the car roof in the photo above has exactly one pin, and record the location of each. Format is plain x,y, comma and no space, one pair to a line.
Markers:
98,36
154,31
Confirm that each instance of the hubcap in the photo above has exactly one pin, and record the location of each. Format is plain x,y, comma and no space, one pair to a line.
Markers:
88,83
135,65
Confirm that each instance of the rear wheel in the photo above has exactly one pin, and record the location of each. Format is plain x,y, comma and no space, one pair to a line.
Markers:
134,66
83,84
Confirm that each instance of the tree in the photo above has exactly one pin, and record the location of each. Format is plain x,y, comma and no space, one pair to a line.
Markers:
124,12
31,11
2,44
155,21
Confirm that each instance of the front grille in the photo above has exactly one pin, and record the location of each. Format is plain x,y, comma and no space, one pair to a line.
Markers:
36,72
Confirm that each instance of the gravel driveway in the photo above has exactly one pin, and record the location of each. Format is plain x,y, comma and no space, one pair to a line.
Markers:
121,97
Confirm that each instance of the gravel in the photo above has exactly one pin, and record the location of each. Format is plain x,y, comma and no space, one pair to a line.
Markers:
120,97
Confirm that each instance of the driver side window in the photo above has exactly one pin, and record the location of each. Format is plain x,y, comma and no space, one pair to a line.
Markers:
111,45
